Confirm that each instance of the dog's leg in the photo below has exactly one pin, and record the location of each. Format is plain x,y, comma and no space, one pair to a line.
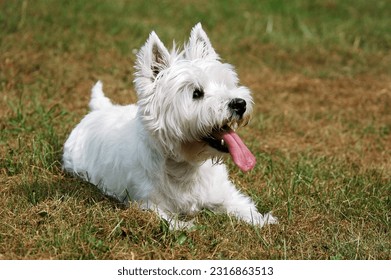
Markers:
242,207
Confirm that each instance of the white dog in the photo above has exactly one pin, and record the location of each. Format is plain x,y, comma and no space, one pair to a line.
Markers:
165,152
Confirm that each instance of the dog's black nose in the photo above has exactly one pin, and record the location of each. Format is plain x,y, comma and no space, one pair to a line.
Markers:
238,106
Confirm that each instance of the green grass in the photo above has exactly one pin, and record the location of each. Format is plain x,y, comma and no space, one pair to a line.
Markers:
319,72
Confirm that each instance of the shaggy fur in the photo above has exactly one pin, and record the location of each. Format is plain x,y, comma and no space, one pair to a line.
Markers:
166,152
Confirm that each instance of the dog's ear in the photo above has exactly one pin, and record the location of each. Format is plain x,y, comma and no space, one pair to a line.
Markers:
152,58
199,46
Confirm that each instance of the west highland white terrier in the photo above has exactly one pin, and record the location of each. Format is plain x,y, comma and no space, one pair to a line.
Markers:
165,152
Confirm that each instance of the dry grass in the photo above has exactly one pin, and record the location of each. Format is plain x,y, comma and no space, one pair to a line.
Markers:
321,130
347,118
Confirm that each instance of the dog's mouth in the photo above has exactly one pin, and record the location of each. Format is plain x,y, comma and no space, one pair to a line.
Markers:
224,139
215,139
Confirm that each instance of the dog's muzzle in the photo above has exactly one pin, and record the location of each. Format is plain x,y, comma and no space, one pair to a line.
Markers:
237,107
224,139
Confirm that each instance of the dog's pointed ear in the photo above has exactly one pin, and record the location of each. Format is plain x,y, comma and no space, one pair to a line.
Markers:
199,46
152,58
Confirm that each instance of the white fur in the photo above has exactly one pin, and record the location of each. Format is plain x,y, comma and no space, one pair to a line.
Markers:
153,152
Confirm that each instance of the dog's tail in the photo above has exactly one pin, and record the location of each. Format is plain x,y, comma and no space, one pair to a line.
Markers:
98,99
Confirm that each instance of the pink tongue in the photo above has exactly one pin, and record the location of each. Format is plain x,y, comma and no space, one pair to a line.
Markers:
241,155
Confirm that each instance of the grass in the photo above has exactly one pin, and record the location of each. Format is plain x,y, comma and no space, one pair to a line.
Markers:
321,131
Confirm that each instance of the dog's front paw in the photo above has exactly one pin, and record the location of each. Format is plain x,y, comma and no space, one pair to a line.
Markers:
270,219
176,224
261,220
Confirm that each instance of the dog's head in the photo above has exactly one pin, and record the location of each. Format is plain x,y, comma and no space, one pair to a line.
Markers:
190,102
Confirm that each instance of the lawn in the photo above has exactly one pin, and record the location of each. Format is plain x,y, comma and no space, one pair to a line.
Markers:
320,73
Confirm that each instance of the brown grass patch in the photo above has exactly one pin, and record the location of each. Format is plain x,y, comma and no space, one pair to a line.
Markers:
346,118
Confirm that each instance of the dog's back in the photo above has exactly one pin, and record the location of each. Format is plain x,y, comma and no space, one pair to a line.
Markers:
88,150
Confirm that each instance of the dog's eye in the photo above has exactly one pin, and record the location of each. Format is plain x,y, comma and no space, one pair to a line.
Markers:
198,93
